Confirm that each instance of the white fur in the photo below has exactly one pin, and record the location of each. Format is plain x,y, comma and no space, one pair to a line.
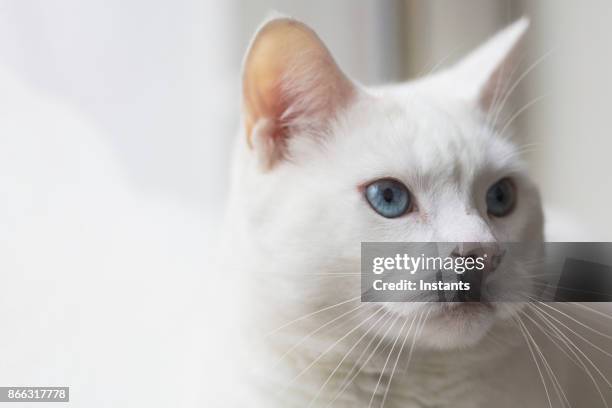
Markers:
295,229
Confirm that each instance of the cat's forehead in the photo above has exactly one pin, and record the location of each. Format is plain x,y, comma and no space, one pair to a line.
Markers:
415,134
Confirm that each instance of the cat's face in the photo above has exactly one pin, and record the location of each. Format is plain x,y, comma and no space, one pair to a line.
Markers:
332,165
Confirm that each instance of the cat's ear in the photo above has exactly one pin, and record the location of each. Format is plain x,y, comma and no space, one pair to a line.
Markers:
487,71
290,83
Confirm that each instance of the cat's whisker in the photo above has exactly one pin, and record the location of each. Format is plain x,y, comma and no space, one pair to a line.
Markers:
561,395
382,372
519,322
587,341
520,151
352,378
345,380
577,321
401,349
311,314
554,331
320,328
417,334
346,356
327,350
576,347
528,147
555,381
571,346
597,312
551,335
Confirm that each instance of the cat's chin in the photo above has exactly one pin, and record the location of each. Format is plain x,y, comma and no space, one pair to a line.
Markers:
454,326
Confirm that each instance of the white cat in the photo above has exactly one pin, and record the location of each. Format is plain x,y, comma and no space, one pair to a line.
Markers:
323,164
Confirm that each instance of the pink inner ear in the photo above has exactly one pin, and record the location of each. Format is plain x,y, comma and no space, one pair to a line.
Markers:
290,79
262,95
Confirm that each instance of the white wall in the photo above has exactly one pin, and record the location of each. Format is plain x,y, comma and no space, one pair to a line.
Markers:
156,77
573,125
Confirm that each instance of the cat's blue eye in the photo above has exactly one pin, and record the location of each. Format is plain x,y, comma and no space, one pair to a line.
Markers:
388,197
501,198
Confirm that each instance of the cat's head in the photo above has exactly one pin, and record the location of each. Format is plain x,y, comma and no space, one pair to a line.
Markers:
328,164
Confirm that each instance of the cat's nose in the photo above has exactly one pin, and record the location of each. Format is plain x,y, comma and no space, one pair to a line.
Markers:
486,257
489,254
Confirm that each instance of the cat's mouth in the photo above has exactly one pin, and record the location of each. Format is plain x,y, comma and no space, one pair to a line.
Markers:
454,310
